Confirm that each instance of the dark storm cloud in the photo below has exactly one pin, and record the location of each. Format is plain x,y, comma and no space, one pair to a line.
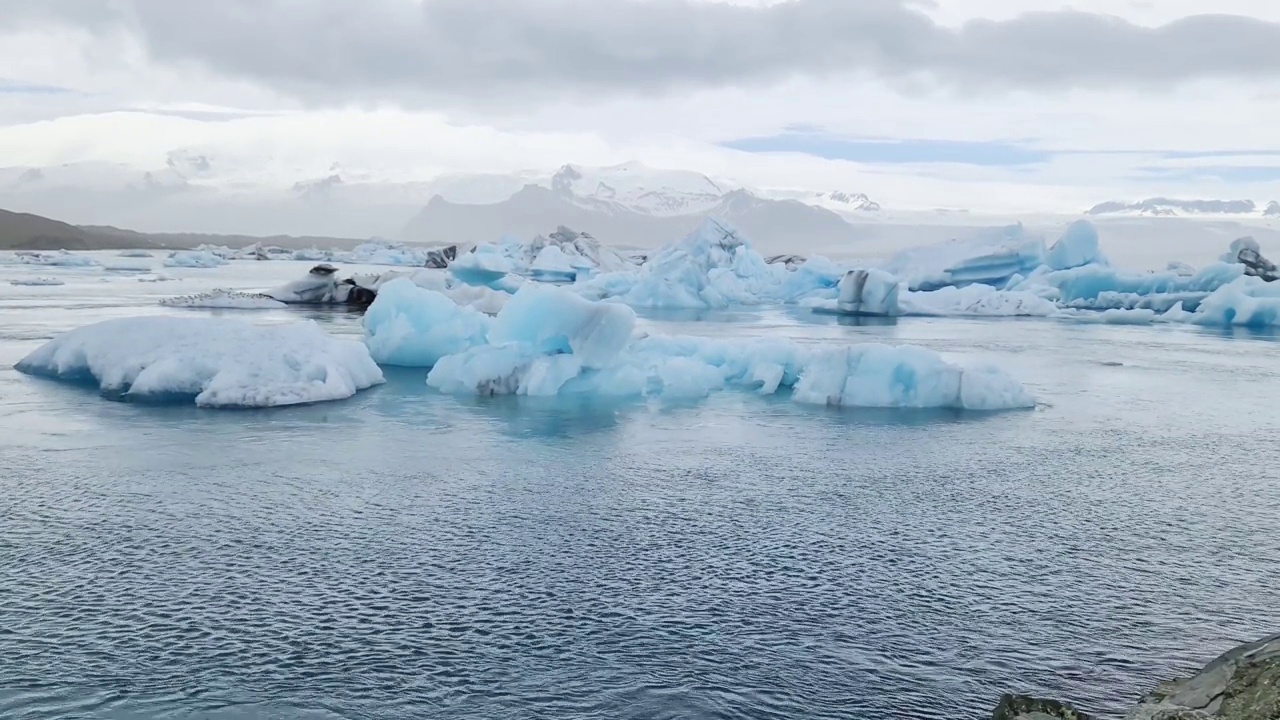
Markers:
478,50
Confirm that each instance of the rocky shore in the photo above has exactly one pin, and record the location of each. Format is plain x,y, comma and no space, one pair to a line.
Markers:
1242,684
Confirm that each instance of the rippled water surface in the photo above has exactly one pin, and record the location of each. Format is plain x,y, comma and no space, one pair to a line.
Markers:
411,555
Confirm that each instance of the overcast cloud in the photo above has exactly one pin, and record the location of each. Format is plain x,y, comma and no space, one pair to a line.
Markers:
335,51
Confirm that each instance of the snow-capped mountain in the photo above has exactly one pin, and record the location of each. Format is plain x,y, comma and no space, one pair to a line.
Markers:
661,193
854,201
204,190
769,223
1173,207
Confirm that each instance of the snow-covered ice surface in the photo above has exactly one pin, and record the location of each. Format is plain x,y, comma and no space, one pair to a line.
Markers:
403,541
194,259
218,362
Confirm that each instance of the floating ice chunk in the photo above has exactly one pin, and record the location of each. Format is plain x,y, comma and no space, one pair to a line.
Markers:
130,265
37,281
219,362
902,377
486,264
1180,269
412,326
1085,286
1078,246
1176,314
815,277
868,292
555,320
714,267
1247,302
194,259
991,260
977,301
225,299
134,254
552,265
62,258
689,368
1128,317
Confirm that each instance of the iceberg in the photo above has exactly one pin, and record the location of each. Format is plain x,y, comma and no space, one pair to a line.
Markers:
685,368
1000,256
868,292
990,260
564,256
977,301
381,252
321,286
219,362
1246,252
554,320
1249,301
547,341
62,258
552,265
817,277
134,254
1138,316
412,326
485,264
714,267
1078,246
225,299
882,376
194,259
1100,287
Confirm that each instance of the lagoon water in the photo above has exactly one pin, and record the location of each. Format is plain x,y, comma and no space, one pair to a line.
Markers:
405,554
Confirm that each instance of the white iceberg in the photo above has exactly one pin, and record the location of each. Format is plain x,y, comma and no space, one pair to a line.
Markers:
193,259
61,258
976,301
413,326
226,300
219,362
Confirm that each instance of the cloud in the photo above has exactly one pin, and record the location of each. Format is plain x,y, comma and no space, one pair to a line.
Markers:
891,151
521,51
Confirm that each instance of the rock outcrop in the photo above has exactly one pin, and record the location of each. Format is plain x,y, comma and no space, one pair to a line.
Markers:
1242,684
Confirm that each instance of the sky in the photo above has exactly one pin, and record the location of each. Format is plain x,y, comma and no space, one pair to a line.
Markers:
1001,105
